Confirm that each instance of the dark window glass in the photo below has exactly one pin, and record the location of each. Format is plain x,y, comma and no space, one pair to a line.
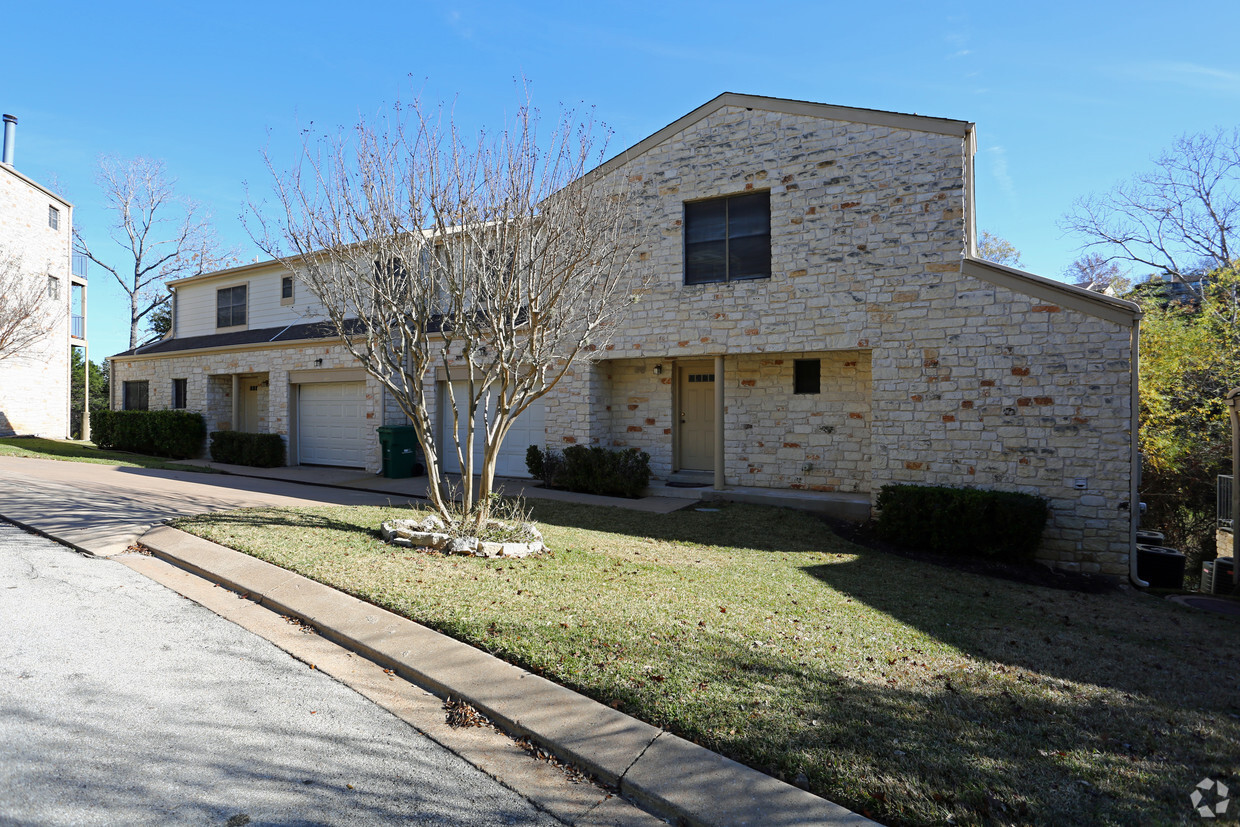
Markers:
178,393
806,376
136,396
230,306
728,238
286,287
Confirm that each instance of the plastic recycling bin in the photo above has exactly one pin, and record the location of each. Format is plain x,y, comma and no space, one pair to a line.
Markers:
399,444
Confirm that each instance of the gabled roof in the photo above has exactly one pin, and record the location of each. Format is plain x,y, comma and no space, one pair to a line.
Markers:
875,117
262,336
1066,295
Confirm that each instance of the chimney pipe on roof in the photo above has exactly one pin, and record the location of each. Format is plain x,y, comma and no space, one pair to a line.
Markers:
10,140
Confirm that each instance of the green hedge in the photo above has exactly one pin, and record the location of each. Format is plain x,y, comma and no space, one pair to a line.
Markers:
175,434
596,470
962,521
238,448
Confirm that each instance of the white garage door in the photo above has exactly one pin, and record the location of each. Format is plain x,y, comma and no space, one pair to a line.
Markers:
528,430
331,424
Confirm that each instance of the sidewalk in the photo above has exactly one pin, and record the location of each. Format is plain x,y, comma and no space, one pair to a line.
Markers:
666,775
662,498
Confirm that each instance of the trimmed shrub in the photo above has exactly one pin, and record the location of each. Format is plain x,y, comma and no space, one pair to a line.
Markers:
239,448
174,434
595,470
962,521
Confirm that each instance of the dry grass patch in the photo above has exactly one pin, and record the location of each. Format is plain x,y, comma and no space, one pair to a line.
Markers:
913,693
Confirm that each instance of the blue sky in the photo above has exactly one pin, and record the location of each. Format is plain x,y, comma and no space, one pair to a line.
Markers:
1068,98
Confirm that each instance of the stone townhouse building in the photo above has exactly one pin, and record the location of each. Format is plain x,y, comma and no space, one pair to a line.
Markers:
36,238
816,320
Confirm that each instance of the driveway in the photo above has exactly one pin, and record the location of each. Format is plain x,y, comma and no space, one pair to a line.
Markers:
103,509
123,703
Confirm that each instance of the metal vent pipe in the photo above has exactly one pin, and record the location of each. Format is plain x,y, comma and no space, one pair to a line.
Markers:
10,139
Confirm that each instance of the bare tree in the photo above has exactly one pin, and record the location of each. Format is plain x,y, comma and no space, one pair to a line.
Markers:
493,259
1180,219
997,249
27,312
164,236
1095,272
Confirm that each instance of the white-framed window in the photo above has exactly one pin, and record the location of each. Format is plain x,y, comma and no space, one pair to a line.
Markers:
286,290
230,306
53,217
53,288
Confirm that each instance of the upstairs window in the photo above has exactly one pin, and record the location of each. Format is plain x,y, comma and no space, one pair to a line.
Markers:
137,396
230,306
53,288
286,290
53,217
728,239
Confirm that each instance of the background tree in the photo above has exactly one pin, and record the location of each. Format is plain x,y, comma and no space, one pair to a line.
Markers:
27,313
1179,219
493,258
999,250
98,396
163,236
1095,272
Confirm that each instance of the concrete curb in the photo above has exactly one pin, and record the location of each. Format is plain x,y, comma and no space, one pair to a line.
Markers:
668,775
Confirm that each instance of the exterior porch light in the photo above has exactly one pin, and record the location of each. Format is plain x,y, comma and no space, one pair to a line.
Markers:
658,370
318,363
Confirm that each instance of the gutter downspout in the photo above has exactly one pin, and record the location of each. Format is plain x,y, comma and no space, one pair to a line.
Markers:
1134,495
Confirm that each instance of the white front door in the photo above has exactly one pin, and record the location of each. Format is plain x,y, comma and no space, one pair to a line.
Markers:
696,417
529,429
332,424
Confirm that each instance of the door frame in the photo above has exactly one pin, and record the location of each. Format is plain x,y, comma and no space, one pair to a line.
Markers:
680,372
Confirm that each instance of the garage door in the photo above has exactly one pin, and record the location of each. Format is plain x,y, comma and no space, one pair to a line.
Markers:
332,424
526,431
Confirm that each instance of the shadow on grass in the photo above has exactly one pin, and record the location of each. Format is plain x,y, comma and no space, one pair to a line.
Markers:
1130,642
727,525
979,747
266,518
39,447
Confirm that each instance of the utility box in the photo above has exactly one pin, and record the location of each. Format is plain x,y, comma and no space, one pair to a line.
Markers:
1161,567
399,444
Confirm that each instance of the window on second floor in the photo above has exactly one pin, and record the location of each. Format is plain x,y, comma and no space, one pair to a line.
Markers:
728,239
137,396
53,217
53,288
286,290
230,306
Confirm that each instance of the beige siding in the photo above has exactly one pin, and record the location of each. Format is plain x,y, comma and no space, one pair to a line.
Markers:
196,303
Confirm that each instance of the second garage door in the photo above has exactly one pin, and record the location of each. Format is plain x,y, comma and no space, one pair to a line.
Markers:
528,430
331,424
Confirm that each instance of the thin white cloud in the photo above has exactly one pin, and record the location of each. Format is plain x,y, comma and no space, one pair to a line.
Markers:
999,169
961,53
1193,75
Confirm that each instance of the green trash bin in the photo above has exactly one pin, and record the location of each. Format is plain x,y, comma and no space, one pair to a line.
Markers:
400,451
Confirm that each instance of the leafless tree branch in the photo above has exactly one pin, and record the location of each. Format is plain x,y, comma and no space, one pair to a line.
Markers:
27,313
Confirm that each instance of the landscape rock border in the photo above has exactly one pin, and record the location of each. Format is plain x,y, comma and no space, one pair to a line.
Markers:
430,532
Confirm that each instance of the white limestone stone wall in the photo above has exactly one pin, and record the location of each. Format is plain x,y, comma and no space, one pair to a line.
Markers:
34,384
209,384
970,384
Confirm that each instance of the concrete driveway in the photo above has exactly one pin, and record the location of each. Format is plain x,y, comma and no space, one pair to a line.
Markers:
103,509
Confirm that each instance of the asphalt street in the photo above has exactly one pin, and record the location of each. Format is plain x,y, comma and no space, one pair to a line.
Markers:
123,703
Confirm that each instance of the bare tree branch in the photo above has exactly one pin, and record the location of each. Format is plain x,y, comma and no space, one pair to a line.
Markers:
494,258
27,313
1179,219
164,236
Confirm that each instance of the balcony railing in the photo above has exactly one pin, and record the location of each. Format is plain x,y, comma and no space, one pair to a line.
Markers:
1224,502
79,327
80,265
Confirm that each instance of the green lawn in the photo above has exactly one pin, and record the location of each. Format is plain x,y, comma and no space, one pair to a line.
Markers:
910,692
74,451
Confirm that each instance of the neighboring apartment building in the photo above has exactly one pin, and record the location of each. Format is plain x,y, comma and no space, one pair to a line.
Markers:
816,320
36,231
